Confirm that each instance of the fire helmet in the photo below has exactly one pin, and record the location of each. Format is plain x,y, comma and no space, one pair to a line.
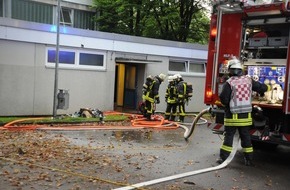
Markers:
234,64
171,78
162,76
235,67
177,76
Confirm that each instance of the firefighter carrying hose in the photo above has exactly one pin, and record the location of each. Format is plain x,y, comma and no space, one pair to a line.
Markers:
171,99
236,98
151,94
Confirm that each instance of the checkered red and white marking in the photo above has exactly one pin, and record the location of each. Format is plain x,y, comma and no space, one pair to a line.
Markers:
242,88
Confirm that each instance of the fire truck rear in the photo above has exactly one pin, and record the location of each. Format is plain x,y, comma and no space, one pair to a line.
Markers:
256,32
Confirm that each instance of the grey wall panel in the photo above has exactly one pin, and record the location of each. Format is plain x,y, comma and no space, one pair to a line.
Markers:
28,86
16,78
43,84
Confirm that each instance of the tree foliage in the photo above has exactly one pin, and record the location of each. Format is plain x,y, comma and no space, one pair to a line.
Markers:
178,20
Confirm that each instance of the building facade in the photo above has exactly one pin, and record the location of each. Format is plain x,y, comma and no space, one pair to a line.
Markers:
98,70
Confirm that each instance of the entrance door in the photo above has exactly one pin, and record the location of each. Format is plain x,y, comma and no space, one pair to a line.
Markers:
125,86
130,94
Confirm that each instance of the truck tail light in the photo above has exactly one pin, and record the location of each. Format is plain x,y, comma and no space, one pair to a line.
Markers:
213,33
208,94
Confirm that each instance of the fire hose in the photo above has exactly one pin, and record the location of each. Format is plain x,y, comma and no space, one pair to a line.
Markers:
187,134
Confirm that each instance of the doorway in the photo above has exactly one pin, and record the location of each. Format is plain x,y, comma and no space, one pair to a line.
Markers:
125,96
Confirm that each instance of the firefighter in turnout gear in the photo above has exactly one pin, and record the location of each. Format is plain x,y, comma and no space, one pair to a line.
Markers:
236,99
151,95
171,99
181,98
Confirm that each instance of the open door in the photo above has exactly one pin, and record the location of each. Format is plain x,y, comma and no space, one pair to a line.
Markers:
130,95
125,86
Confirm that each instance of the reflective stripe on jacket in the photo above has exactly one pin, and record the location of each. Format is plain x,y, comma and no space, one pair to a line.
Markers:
171,94
237,120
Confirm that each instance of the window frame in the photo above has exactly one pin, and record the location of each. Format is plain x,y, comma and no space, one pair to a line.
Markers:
187,64
71,16
76,65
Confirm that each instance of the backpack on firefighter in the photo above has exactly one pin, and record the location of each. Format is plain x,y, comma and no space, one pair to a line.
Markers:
188,90
148,84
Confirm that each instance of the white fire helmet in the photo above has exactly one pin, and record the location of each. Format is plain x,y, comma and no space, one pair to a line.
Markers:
162,76
177,76
234,63
171,78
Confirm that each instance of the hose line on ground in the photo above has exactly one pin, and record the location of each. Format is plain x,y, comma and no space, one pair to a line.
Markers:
187,174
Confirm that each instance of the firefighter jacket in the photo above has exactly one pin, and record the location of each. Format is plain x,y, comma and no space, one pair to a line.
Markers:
171,93
152,93
236,96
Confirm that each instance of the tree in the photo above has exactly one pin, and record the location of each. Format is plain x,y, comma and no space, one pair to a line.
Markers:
178,20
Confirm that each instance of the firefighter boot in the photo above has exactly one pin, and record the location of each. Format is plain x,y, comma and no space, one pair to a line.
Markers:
248,159
145,113
220,160
148,117
248,162
172,118
181,119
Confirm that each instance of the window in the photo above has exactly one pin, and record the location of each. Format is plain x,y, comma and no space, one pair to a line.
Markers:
32,11
66,17
65,57
195,67
84,19
91,59
76,59
45,12
1,8
177,66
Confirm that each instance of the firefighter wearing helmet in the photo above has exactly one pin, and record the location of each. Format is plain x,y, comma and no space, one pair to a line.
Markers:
236,99
171,99
151,95
181,97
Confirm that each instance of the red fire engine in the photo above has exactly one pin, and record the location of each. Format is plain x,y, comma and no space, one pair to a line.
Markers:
257,34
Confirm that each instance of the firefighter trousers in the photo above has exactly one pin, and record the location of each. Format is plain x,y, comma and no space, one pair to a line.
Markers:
149,109
181,109
246,143
170,112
